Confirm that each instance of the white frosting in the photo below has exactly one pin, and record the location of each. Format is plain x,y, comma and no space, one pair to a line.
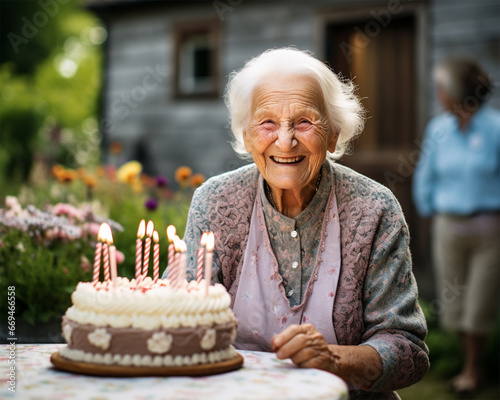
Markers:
160,343
67,330
99,338
157,306
208,340
148,361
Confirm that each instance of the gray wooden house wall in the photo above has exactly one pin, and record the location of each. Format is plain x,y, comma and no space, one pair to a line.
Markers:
149,121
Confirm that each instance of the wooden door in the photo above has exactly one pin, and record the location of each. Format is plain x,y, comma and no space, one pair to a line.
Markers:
382,63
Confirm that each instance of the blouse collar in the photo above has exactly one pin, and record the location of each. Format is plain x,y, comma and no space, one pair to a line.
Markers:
313,209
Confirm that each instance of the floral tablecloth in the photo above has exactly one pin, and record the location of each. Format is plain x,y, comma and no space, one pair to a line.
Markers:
262,377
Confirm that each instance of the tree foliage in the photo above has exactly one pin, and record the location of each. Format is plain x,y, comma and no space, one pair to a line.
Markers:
51,77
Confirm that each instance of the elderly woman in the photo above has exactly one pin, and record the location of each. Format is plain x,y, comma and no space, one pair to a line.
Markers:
314,256
457,182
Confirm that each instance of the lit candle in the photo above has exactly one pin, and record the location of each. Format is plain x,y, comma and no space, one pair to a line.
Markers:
147,248
97,258
112,262
171,249
181,277
201,250
208,260
156,257
173,273
106,233
138,249
112,259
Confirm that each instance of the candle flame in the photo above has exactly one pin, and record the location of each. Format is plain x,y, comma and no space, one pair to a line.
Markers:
171,233
105,233
210,241
150,228
142,229
156,238
203,240
182,246
176,241
101,231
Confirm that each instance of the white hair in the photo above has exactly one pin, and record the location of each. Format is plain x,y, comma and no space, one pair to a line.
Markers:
345,112
463,79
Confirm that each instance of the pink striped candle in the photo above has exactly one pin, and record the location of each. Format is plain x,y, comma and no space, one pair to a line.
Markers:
147,248
106,262
173,273
112,263
171,249
107,237
181,277
201,251
138,249
208,260
97,261
156,257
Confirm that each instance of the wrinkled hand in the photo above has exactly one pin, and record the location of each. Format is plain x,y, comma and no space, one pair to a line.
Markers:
304,345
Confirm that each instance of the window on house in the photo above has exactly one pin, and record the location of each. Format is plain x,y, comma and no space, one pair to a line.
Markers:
197,60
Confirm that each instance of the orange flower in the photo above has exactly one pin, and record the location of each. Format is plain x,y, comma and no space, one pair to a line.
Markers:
82,173
116,148
182,175
100,171
90,181
197,180
147,180
67,176
56,170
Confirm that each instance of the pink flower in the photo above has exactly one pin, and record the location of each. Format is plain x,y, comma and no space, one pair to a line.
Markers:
120,257
85,263
92,228
67,209
50,234
11,202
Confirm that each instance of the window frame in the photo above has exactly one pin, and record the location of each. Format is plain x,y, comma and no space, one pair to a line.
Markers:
181,33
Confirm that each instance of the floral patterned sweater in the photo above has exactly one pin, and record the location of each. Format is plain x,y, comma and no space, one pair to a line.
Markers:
377,299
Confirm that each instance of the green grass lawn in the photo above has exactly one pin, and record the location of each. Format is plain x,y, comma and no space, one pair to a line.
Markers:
434,387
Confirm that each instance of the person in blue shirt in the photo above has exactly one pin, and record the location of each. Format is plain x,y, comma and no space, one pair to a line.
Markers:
457,183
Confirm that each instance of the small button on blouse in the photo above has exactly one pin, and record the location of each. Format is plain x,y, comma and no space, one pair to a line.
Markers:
295,241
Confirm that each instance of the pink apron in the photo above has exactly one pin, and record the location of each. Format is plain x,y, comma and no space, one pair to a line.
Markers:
260,303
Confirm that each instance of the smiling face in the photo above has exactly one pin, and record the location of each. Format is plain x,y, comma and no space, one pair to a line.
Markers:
288,133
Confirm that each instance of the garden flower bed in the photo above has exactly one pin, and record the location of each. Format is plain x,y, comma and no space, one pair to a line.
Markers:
48,235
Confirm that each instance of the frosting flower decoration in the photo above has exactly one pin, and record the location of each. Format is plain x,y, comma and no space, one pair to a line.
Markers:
160,343
182,175
99,338
208,340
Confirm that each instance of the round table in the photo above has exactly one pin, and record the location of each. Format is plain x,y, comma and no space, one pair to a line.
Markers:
262,377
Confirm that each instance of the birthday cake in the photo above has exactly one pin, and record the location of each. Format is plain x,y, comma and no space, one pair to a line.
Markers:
149,324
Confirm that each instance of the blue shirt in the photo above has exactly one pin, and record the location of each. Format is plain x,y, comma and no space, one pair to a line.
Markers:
459,171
